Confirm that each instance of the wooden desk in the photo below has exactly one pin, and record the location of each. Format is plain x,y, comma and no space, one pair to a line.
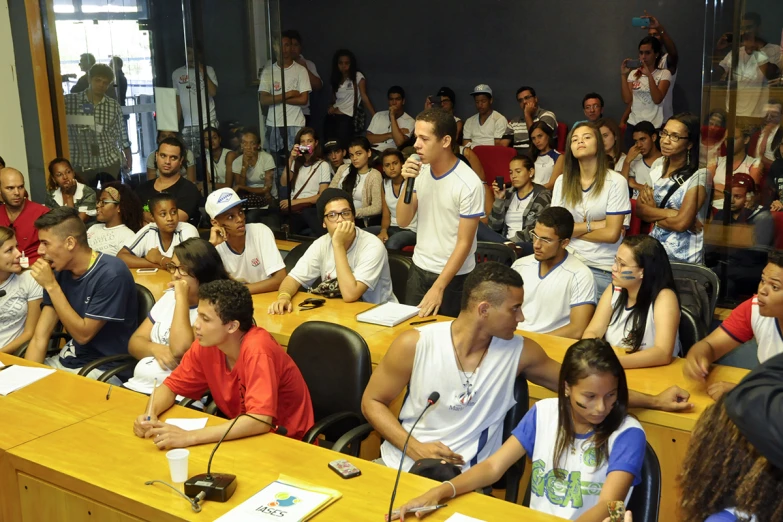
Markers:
103,479
735,236
286,246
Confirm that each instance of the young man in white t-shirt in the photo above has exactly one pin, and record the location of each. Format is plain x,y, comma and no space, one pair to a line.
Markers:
184,81
295,93
560,288
475,382
449,201
356,259
488,127
315,79
641,156
390,129
759,317
248,251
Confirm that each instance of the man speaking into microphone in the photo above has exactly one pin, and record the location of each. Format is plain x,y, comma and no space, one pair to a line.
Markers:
449,199
241,364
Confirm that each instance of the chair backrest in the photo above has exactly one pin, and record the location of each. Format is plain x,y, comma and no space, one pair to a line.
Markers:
562,134
399,267
294,255
336,365
495,160
487,251
645,501
145,302
691,330
698,287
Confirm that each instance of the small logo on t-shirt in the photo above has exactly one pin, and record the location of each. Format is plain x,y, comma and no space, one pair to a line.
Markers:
277,86
87,301
255,262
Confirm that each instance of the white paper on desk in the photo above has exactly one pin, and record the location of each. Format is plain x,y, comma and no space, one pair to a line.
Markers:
17,377
1,365
188,424
388,314
459,517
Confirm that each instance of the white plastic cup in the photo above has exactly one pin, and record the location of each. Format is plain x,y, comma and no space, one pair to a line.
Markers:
178,464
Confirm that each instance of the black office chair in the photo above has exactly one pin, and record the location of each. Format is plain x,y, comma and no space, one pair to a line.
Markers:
698,287
294,255
400,267
645,501
124,362
487,251
336,365
513,476
691,330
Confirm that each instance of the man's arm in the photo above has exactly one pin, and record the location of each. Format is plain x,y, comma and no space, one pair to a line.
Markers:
36,350
378,138
466,233
406,211
707,351
288,289
397,133
351,289
211,86
167,436
269,99
579,318
538,367
268,285
386,383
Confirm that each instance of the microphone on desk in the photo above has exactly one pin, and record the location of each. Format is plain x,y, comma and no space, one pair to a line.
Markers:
409,182
220,486
431,400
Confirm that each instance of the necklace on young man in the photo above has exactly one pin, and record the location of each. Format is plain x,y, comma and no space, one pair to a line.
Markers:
467,395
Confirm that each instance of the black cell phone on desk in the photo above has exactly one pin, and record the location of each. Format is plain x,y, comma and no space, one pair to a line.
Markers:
501,182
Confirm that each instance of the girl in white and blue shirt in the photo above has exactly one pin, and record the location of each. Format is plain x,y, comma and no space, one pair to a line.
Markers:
586,449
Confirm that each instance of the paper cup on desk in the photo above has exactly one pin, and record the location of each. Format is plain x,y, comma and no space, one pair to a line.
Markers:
178,464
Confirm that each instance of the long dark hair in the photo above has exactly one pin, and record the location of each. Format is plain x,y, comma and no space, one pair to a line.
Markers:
572,186
691,122
584,358
300,160
337,76
349,183
617,150
546,129
656,48
201,259
131,213
651,257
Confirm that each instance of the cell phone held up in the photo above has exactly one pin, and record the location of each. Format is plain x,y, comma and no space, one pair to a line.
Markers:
633,64
500,182
638,21
305,149
435,100
344,468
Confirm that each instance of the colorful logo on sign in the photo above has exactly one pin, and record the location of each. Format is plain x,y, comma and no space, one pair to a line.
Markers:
284,499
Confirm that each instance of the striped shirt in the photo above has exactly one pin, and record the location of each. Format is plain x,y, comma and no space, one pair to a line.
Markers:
96,132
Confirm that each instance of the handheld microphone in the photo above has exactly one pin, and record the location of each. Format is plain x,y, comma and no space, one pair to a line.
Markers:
409,184
220,486
431,400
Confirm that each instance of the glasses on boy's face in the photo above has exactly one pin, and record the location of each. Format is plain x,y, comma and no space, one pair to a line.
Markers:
332,216
545,240
172,269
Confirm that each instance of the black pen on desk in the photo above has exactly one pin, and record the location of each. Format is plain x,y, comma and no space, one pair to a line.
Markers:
108,393
416,323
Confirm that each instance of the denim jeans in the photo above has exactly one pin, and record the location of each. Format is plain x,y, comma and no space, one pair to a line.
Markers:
399,238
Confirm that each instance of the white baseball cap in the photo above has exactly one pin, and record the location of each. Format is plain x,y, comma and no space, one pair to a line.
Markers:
220,201
482,88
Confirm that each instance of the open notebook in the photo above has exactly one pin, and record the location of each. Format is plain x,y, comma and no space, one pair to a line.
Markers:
388,314
15,377
284,499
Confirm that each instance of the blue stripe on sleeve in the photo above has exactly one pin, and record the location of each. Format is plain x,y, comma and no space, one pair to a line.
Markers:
525,432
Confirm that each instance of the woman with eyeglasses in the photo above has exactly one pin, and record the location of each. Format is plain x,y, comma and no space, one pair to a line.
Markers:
20,296
597,197
677,201
640,310
119,219
164,337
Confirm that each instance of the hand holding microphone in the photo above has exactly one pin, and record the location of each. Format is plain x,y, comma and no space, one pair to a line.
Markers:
409,171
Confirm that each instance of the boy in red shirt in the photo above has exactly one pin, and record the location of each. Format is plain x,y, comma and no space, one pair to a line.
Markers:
244,368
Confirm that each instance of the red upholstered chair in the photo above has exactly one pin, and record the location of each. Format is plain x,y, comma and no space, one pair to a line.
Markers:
637,225
778,216
562,134
495,161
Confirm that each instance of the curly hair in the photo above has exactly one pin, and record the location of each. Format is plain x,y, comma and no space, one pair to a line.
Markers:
231,300
722,469
131,212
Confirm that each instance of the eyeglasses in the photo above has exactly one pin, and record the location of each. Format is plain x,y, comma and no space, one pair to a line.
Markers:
332,216
103,202
619,264
172,269
673,137
544,240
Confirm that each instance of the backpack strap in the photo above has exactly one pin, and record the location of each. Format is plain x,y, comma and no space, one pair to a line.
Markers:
679,180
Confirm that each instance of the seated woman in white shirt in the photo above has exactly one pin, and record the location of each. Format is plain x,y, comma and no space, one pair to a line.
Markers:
394,237
119,219
222,157
598,199
363,182
548,162
188,165
65,190
163,338
307,174
640,310
20,302
613,142
153,245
